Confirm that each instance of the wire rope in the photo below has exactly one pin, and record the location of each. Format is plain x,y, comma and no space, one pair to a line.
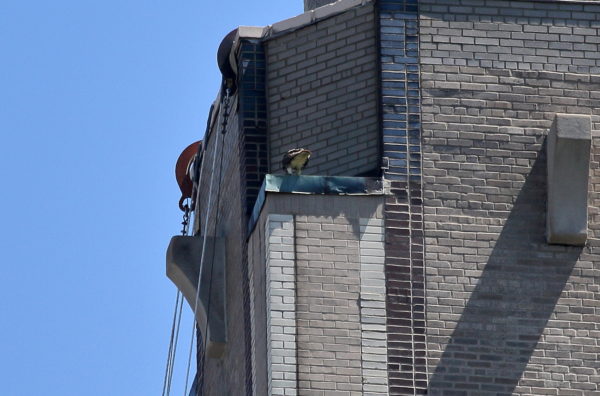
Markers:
189,361
212,261
169,354
176,323
206,222
202,257
170,377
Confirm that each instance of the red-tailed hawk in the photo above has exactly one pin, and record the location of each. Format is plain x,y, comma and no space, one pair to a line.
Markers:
295,160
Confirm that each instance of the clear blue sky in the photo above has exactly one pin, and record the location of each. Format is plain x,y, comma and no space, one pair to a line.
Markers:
97,100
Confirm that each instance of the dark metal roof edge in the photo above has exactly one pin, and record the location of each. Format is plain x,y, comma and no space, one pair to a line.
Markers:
258,205
560,1
328,185
313,185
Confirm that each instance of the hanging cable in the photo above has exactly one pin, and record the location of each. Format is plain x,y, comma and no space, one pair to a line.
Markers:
218,152
170,353
202,257
212,261
189,362
174,352
195,200
175,326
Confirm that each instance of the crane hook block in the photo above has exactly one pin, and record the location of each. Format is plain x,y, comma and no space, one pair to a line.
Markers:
184,171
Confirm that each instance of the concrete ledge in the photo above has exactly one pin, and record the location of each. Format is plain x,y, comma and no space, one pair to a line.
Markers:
291,23
569,144
336,8
183,264
298,21
251,32
312,4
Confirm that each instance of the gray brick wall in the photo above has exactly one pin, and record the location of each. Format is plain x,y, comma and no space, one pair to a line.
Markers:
257,248
281,298
328,289
232,183
506,313
373,314
322,94
324,296
518,35
226,376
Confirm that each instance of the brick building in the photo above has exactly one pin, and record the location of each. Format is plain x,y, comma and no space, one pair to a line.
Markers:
452,140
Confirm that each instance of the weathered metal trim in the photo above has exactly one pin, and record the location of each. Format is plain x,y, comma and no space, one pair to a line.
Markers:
258,205
323,185
336,185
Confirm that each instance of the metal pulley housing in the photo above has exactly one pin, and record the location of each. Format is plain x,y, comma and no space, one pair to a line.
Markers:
226,61
184,171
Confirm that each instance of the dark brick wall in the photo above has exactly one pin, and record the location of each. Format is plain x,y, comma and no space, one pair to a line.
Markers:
226,376
401,130
241,164
258,293
253,120
254,163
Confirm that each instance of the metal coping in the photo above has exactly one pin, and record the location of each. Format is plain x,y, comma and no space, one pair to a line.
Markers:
313,185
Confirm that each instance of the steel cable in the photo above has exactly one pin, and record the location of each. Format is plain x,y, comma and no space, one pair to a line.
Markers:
207,218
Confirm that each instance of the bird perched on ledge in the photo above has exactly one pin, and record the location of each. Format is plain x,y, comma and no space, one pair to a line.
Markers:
295,160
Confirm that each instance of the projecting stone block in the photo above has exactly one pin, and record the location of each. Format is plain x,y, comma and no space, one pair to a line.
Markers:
184,255
569,143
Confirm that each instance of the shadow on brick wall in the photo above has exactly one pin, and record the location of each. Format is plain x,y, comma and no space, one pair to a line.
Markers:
509,308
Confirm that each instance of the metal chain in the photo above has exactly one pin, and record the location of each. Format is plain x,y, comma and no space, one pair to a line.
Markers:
186,219
225,110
